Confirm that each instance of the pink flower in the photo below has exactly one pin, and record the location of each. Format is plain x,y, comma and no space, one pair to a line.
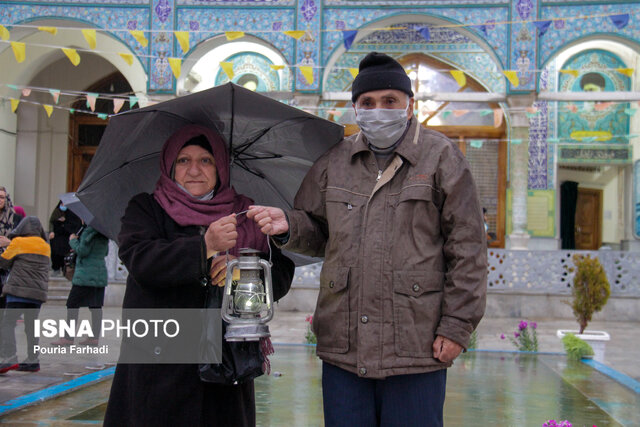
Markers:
502,336
534,325
516,334
522,326
309,318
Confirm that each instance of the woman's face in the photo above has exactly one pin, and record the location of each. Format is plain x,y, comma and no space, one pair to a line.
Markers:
196,170
3,199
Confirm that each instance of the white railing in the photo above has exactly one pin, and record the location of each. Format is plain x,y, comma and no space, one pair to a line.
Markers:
536,272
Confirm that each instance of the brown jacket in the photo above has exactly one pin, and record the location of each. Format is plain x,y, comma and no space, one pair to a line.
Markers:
405,252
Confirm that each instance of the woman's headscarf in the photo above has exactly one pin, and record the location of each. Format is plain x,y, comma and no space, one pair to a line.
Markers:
6,215
188,210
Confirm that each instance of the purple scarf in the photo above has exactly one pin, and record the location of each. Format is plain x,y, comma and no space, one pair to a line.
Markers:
187,210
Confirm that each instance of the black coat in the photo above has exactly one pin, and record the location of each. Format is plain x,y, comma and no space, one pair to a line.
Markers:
166,270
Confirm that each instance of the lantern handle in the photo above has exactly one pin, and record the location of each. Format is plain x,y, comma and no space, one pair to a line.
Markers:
227,290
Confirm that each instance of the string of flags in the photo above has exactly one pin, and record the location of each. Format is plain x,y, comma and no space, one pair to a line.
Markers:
349,36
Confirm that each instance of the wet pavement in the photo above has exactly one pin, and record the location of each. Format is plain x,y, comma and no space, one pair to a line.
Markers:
290,327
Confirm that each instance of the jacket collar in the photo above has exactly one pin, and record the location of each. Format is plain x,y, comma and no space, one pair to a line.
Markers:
408,148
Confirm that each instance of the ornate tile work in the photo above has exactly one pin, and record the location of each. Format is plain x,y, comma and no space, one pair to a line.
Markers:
479,65
573,29
206,23
130,18
239,3
538,144
97,3
309,18
522,56
162,46
351,19
400,3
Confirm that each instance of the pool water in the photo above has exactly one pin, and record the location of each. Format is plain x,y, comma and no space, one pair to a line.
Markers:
483,388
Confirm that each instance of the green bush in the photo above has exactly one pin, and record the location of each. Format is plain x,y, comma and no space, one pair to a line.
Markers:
575,347
590,289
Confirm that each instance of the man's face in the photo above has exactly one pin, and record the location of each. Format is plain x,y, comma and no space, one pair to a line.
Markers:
391,99
3,199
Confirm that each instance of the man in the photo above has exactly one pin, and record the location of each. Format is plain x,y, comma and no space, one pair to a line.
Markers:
395,214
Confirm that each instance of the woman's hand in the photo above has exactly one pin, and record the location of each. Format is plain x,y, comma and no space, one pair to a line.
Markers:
4,241
218,271
73,236
52,235
272,221
221,234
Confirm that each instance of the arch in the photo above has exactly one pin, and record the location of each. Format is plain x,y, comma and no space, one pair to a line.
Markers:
39,57
207,55
396,19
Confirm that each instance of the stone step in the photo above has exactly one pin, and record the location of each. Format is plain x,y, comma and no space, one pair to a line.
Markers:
59,288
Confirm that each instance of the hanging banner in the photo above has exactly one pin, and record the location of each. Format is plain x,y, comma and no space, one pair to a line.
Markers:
26,92
354,72
133,100
295,34
176,65
55,93
4,33
573,73
14,104
117,104
48,109
183,40
233,35
128,58
139,36
497,117
91,100
51,30
461,79
348,37
227,67
307,72
626,71
512,76
73,56
542,26
276,67
19,51
620,21
424,32
90,37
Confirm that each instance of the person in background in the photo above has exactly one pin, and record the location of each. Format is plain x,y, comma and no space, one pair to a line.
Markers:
89,281
27,258
394,212
9,219
20,211
169,243
62,224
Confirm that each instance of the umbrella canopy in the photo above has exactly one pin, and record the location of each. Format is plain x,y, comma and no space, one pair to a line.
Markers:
71,201
272,146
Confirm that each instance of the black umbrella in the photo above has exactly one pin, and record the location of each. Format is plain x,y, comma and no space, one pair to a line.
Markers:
71,201
272,146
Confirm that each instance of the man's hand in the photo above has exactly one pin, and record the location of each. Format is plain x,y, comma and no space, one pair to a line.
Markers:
272,221
221,234
445,350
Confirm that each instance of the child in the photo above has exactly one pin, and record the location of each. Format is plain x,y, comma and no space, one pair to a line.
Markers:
28,257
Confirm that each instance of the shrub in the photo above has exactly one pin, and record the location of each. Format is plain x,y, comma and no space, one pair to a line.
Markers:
575,347
590,289
309,336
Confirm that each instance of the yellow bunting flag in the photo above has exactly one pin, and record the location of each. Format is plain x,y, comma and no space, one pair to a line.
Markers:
497,117
90,37
295,34
183,40
307,72
4,33
14,104
512,76
227,67
72,55
626,71
18,51
139,35
276,67
48,109
461,79
232,35
117,104
354,72
573,73
51,30
176,65
128,58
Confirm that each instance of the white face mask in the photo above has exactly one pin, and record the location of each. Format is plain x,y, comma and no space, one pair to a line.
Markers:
382,127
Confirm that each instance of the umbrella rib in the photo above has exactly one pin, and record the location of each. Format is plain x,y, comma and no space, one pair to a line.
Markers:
138,159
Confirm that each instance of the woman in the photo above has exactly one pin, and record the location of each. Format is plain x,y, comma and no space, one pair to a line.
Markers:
27,256
62,224
89,281
167,242
9,219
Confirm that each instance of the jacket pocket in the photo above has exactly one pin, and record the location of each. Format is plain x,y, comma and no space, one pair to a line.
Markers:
420,192
344,217
417,300
331,319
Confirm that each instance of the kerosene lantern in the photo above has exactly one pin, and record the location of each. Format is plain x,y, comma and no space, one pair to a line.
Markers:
247,303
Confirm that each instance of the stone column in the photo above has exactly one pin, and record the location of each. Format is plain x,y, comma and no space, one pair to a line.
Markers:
519,168
303,101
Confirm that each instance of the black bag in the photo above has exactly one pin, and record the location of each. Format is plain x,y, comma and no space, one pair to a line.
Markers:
241,361
69,264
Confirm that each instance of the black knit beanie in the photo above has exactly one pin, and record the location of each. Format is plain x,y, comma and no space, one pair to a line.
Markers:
380,71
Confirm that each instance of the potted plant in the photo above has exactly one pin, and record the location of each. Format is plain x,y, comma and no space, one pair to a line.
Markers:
576,348
590,293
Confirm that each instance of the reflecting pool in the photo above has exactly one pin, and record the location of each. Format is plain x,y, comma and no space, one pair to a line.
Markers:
484,388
